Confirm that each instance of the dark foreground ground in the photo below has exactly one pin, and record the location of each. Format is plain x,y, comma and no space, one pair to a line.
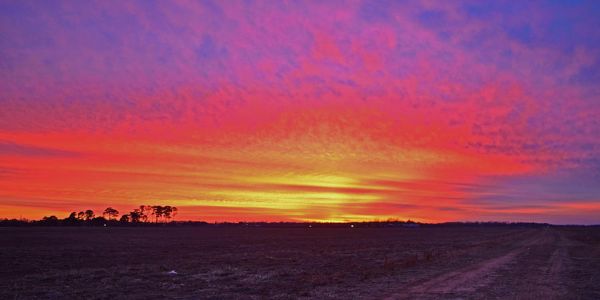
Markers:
287,263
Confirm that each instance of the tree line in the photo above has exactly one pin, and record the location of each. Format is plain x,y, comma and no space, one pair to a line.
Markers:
144,214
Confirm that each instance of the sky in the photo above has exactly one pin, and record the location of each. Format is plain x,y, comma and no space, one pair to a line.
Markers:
331,111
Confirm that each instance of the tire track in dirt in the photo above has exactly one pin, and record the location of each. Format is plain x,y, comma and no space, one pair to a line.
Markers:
473,277
553,272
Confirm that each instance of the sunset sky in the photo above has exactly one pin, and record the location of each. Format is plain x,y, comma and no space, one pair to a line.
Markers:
302,110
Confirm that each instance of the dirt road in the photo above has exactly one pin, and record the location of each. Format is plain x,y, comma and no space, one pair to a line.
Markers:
535,268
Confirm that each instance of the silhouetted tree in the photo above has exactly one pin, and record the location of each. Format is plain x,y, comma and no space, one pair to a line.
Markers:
157,211
98,221
14,222
145,212
135,216
110,213
51,220
169,212
124,218
71,219
174,212
89,214
161,214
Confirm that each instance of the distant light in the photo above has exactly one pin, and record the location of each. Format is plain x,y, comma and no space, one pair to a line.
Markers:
352,226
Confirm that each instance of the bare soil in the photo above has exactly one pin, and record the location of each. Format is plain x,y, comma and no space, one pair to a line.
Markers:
290,263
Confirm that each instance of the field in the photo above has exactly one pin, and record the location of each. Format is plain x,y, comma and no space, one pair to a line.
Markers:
289,263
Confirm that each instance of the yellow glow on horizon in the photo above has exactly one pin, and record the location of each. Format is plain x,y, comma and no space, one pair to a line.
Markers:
294,199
